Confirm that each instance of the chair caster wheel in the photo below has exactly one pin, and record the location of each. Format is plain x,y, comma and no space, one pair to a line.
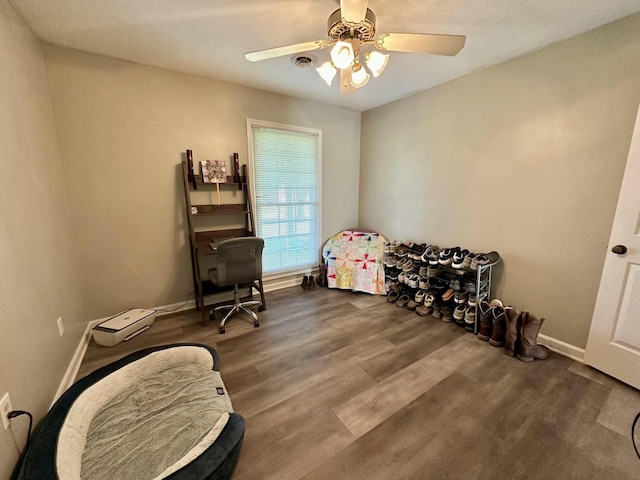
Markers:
261,308
256,324
222,330
212,316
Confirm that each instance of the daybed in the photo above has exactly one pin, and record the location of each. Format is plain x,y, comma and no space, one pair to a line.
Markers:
162,412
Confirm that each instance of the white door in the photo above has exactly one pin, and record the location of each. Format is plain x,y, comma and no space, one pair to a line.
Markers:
614,339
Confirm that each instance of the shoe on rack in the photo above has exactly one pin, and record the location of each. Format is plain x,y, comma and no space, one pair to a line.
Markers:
429,299
468,258
423,310
460,297
433,271
470,318
447,314
403,249
458,258
433,256
403,300
417,300
458,313
448,295
414,280
417,250
490,258
446,256
393,295
423,284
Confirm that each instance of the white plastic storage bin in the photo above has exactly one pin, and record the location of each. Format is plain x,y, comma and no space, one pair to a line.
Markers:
123,326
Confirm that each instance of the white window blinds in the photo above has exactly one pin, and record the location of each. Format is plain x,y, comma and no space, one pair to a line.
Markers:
286,168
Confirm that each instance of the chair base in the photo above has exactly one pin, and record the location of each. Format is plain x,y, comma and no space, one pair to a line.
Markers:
238,307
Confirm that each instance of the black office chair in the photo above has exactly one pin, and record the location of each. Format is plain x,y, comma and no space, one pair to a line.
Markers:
239,263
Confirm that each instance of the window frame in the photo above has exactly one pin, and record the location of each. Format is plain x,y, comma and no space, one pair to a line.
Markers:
251,122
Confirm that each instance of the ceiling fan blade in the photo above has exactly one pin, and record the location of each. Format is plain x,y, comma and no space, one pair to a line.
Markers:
345,82
286,50
353,11
421,43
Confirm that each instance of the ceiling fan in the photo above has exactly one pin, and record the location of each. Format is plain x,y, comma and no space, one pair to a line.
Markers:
351,34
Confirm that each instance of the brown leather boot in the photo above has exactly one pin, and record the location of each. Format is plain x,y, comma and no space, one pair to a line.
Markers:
529,348
499,327
486,321
513,321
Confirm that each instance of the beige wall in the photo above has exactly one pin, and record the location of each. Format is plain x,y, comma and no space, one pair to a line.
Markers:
40,276
123,129
525,158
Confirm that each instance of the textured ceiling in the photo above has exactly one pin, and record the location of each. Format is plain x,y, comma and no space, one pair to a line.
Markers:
210,37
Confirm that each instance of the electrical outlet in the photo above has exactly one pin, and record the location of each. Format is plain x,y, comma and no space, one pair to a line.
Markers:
60,326
5,408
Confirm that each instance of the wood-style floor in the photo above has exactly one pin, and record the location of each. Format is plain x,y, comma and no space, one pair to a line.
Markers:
339,385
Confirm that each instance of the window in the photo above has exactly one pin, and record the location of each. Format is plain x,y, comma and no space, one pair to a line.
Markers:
286,166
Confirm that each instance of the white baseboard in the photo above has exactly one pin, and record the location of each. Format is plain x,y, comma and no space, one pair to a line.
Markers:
570,351
72,370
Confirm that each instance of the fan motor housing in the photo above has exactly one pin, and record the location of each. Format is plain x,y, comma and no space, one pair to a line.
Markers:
337,29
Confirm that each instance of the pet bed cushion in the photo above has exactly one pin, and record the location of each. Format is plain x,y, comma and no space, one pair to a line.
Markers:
161,413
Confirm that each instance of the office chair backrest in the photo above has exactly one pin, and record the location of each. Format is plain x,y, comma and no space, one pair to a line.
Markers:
239,260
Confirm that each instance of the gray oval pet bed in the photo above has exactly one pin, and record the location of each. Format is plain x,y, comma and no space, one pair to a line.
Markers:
159,413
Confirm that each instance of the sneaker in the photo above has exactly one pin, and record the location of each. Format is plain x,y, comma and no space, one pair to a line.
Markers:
434,256
403,250
485,259
423,310
458,313
458,258
446,256
417,251
423,284
466,263
407,266
470,318
460,297
433,271
414,280
428,251
447,314
429,299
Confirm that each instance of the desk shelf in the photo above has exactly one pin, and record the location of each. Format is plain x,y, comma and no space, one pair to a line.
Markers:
202,238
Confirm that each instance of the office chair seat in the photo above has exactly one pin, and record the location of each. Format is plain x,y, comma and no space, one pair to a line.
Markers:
239,263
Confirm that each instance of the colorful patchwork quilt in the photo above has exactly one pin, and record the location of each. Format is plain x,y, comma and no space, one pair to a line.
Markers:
354,261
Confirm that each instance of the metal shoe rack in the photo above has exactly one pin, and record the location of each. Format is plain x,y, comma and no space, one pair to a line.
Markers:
481,278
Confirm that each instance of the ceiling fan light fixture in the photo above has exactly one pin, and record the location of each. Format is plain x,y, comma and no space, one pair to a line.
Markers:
359,76
342,55
376,62
327,71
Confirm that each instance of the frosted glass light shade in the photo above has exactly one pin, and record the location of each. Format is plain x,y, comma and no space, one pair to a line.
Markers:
327,71
342,55
359,76
376,62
